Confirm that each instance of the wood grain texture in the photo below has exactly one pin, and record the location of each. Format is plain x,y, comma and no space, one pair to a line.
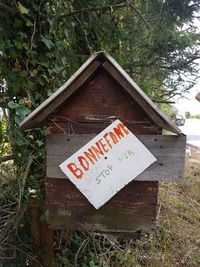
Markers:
83,78
87,127
29,120
139,96
130,210
122,72
134,207
37,117
102,97
169,151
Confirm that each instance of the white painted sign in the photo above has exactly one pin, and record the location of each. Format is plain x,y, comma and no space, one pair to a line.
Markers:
107,163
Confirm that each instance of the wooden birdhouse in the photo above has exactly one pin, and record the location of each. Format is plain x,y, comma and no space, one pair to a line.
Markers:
101,97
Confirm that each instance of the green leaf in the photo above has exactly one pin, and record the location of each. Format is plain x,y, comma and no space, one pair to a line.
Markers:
2,44
56,69
43,60
17,23
39,142
18,44
47,42
49,92
25,46
22,111
13,105
22,8
73,24
29,23
18,119
34,72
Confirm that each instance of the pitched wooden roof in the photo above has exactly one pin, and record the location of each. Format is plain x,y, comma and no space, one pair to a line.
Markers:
105,61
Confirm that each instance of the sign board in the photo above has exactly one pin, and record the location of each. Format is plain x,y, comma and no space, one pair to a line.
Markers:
107,163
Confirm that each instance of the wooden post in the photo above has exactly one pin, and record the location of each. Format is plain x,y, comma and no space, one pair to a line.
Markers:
35,219
46,238
42,235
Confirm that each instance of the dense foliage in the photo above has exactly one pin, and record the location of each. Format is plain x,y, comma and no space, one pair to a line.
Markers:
43,42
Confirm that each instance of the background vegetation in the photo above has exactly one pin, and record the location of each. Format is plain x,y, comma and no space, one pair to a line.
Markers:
41,44
188,115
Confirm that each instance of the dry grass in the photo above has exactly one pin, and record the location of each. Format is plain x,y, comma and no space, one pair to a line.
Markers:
12,211
177,239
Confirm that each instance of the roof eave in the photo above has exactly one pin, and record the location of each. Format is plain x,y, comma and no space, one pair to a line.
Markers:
31,122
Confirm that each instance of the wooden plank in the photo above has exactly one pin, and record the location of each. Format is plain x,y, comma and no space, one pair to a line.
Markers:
172,127
84,128
28,120
102,98
169,151
110,101
140,97
35,118
133,93
130,210
55,100
47,242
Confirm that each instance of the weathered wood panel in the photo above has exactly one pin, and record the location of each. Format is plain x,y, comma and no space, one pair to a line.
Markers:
62,127
169,151
101,60
93,105
130,210
102,97
37,117
140,97
66,207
